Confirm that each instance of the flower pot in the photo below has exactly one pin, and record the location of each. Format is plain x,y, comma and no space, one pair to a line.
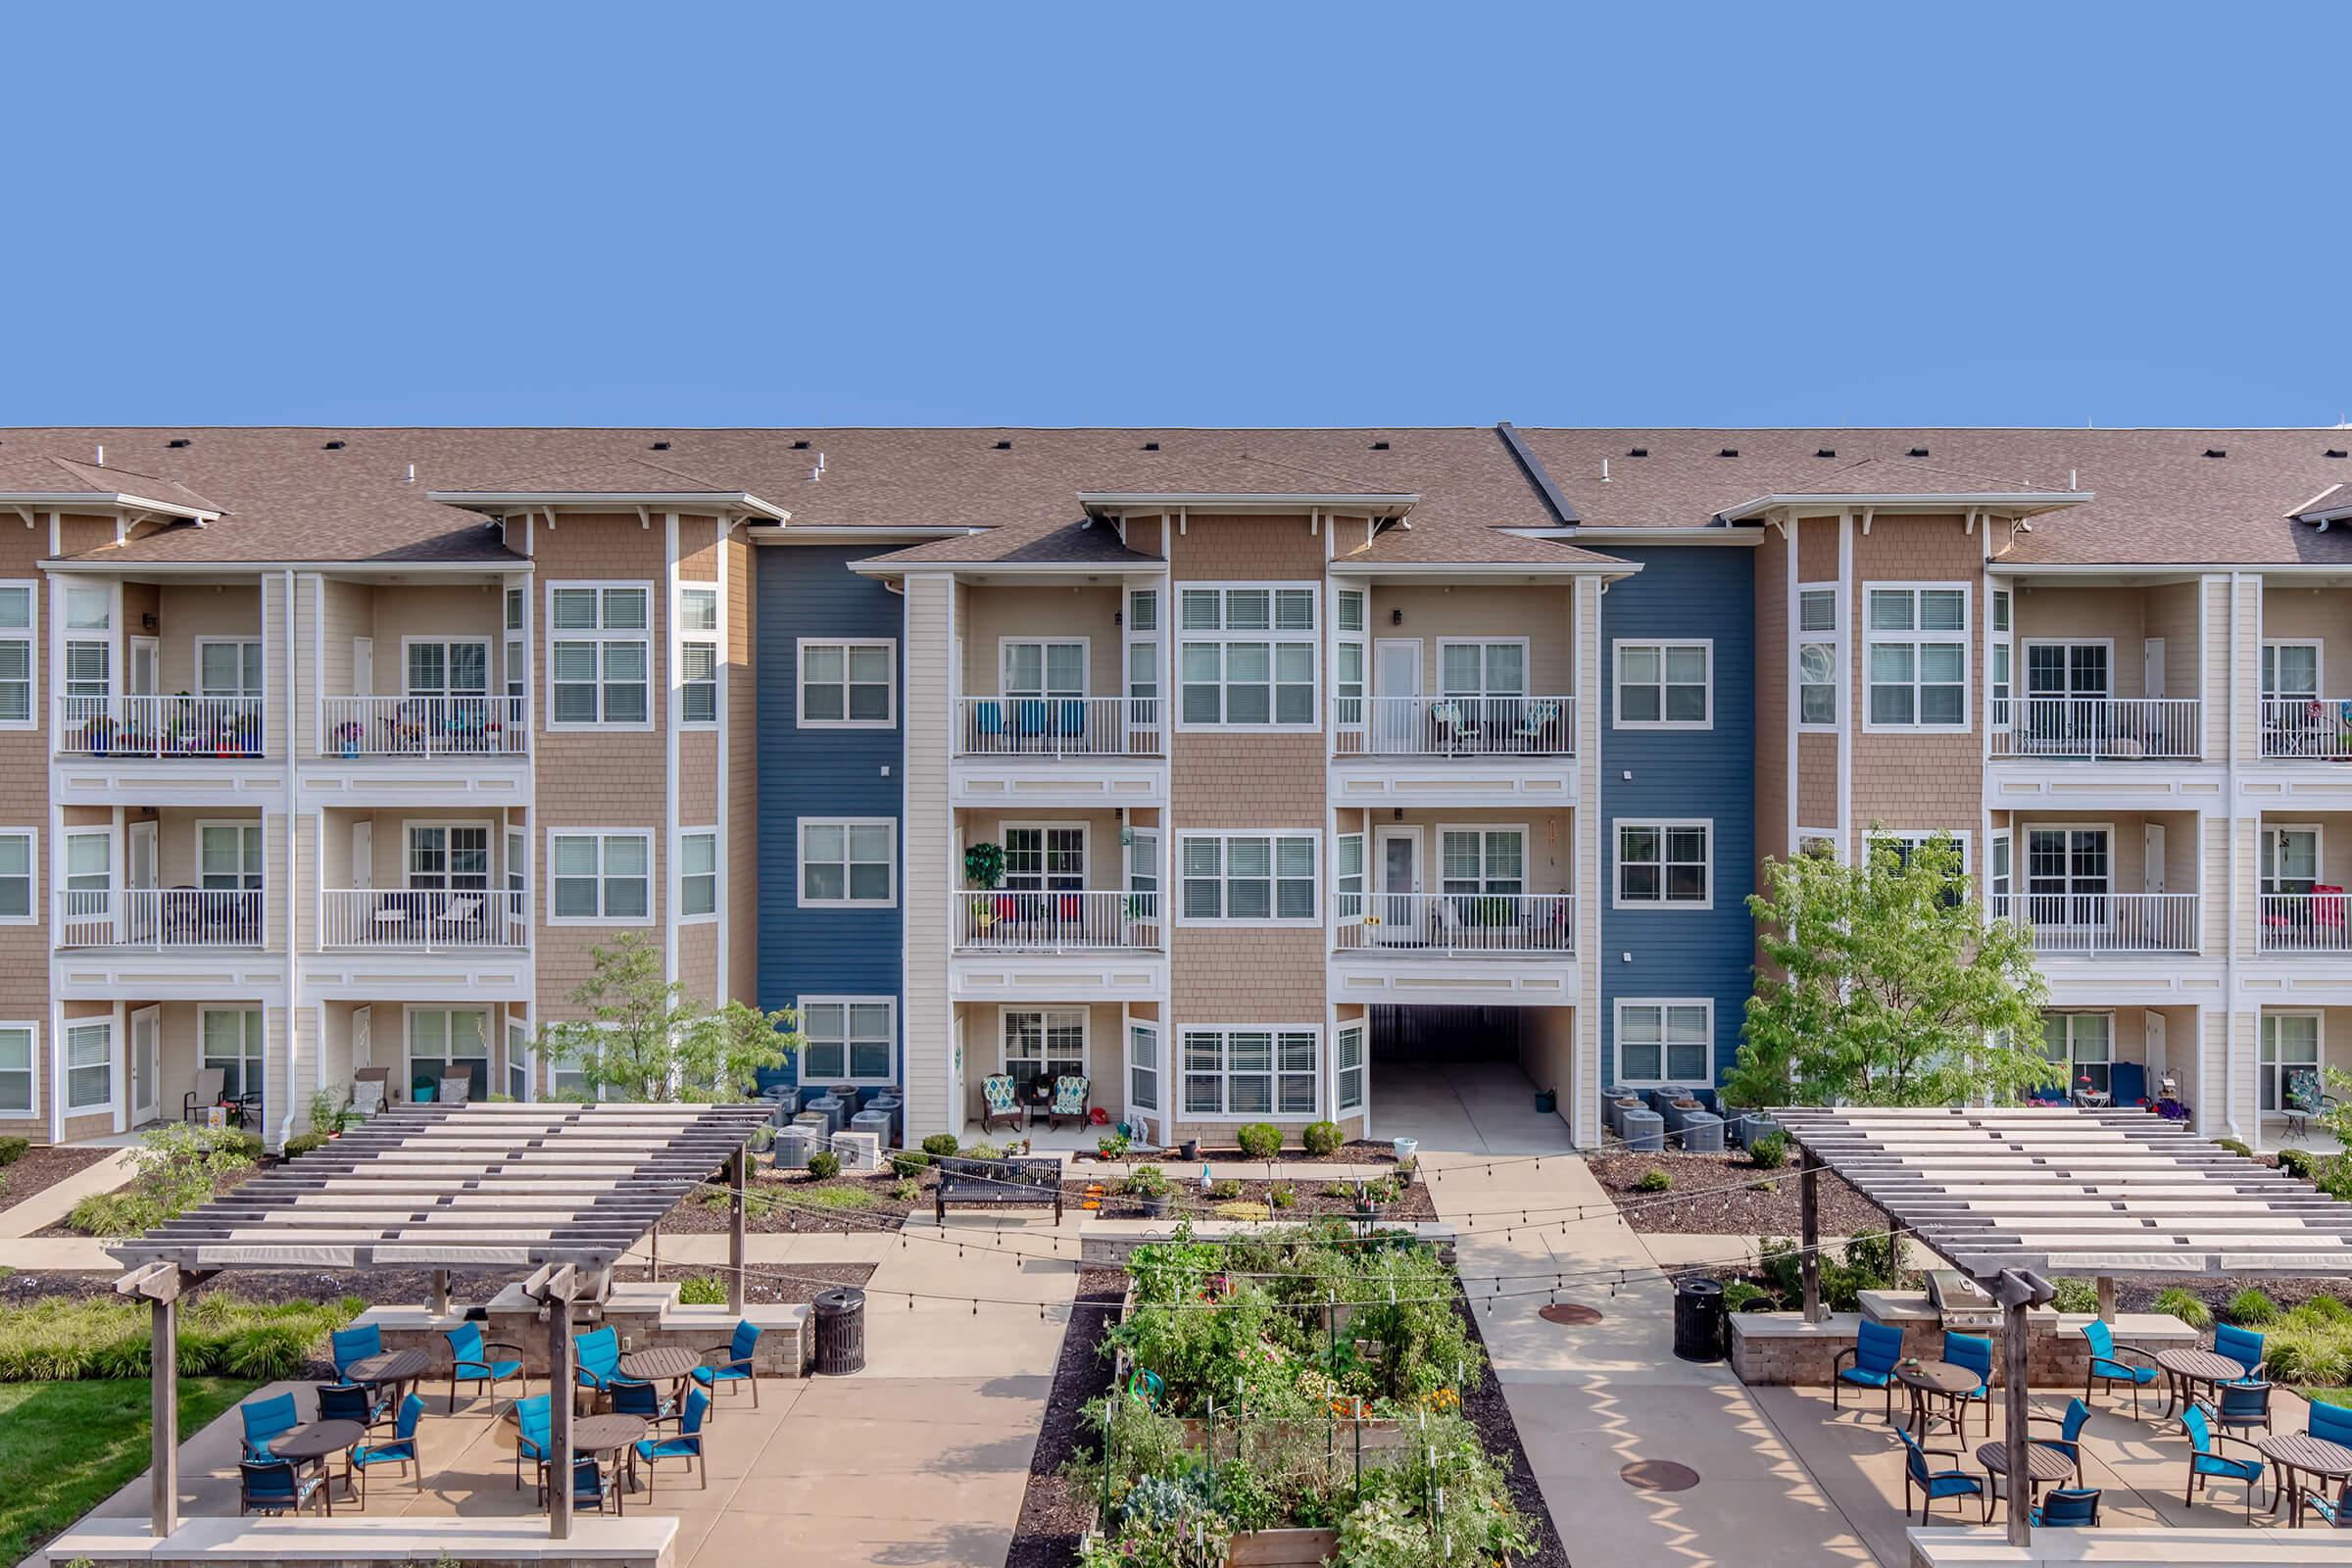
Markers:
1191,1149
1406,1148
1156,1207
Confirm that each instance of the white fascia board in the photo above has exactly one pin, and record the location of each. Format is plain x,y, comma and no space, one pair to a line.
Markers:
2021,502
775,533
882,566
697,502
134,567
1394,504
1485,568
1598,535
104,501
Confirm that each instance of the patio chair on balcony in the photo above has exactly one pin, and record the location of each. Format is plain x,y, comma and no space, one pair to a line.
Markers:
1457,730
1538,720
998,1098
209,1091
988,722
462,921
378,1078
1068,1102
456,1088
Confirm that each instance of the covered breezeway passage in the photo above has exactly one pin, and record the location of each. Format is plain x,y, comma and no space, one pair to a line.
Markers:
1465,1078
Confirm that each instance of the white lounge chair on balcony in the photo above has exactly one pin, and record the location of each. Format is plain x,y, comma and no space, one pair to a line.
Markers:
462,921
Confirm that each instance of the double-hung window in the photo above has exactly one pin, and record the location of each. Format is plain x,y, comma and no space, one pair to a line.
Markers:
16,601
2068,876
2291,875
2290,1056
1349,661
449,858
1819,669
232,1041
1251,1071
89,1065
847,1040
698,656
1665,1042
1489,861
600,877
89,654
1915,655
599,663
1663,685
1048,1045
448,669
2001,873
1347,877
515,664
1489,667
1143,660
698,874
851,860
1260,878
1045,859
17,1046
1246,656
2001,676
448,1041
2082,1046
1664,863
2290,672
1035,667
16,876
847,685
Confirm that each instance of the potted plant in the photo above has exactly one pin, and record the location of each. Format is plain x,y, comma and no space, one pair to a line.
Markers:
984,865
98,735
1149,1185
348,736
1376,1197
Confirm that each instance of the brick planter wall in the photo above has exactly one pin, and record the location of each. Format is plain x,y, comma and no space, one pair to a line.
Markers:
645,1316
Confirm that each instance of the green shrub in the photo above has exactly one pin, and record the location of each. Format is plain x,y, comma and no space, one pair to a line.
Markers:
2076,1296
824,1164
1225,1191
2186,1305
1770,1151
2299,1163
1145,1181
176,1168
701,1290
2325,1309
13,1149
1746,1296
1869,1262
1654,1180
2250,1308
844,1198
2236,1146
984,1152
1111,1146
1282,1194
909,1165
304,1143
1321,1139
907,1190
1339,1189
1258,1140
938,1146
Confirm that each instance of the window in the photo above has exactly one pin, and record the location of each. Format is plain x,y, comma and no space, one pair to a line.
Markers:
2290,1056
1347,876
1247,656
16,856
848,1040
1489,860
1488,668
698,656
1348,662
566,1079
1045,1044
16,601
447,669
518,1061
2066,876
229,856
1251,1071
597,666
698,874
2290,672
847,685
16,1068
1143,1067
2083,1045
1348,1090
849,861
231,1040
448,1041
1664,862
1048,859
600,876
1665,685
2002,654
1916,662
1904,843
1259,877
2001,872
89,660
1043,669
89,872
2290,860
1822,842
1818,663
514,649
1665,1042
1143,870
452,858
89,1065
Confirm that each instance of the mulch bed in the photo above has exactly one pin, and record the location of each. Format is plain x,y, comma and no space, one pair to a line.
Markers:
786,1200
1310,1200
1057,1509
228,1183
45,1166
1697,1201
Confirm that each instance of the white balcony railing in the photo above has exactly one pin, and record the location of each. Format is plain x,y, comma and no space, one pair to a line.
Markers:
2314,728
1454,727
159,726
1459,924
2103,729
422,726
161,917
423,919
2107,923
2303,922
1005,922
1057,726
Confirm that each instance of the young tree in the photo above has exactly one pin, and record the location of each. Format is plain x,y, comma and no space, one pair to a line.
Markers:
644,1039
1886,985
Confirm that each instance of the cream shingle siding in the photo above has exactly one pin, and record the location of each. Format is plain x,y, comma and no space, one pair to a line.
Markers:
927,862
1905,780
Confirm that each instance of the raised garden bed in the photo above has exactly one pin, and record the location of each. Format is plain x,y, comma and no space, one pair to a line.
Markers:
1758,1202
1310,1198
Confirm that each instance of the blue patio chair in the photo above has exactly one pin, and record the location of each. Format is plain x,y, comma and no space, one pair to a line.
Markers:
2337,1513
275,1486
592,1485
2242,1406
2206,1461
349,1401
2108,1366
2069,1509
736,1367
2069,1441
988,717
1874,1354
533,1421
1073,717
266,1420
643,1401
2330,1423
1032,718
686,1446
471,1361
2242,1345
1972,1352
598,1353
1934,1484
401,1450
356,1344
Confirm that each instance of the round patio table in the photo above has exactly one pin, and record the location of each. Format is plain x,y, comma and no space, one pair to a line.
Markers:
2196,1366
600,1435
2043,1465
2300,1453
312,1443
660,1363
399,1368
1933,1379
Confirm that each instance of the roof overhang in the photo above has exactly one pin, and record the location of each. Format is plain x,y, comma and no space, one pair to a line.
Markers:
2332,505
1596,536
884,567
1486,571
102,501
701,503
801,533
1353,504
133,567
2005,503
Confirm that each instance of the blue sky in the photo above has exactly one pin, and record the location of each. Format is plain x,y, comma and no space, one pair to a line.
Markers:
1180,212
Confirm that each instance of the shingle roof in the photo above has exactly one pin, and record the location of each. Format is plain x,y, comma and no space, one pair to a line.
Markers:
35,473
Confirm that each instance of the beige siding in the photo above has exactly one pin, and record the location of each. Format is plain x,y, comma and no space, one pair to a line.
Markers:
1547,1049
1033,612
1437,615
740,860
934,1090
1911,780
1105,1050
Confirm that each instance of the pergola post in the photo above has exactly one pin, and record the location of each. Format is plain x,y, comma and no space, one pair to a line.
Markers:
440,1293
1808,1209
159,1283
562,1397
2019,1292
738,1174
2107,1299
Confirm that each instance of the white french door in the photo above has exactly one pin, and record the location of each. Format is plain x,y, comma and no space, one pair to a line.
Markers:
145,1028
1395,673
1398,867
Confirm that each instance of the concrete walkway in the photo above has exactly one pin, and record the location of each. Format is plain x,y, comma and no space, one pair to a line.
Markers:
54,1202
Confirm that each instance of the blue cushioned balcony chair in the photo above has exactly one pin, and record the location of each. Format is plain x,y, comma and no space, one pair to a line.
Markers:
264,1420
1972,1352
533,1421
687,1444
2206,1461
275,1486
2069,1509
356,1344
1934,1484
988,717
1874,1354
475,1360
401,1450
2068,1439
2242,1345
735,1363
2109,1365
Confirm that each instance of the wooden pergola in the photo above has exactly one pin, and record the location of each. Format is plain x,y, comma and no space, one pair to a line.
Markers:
563,1191
2013,1195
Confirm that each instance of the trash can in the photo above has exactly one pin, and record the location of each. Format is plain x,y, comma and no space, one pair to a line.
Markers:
830,1106
840,1319
1702,1133
1697,1318
1644,1131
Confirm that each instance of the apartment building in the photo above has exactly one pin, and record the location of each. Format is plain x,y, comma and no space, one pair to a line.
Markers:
1226,769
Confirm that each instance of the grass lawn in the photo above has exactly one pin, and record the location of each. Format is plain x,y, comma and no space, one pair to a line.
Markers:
66,1447
2327,1395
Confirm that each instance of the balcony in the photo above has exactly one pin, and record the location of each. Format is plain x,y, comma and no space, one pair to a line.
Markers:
1454,727
2302,922
1050,727
161,918
2103,924
2307,729
1003,921
423,919
2100,729
1462,925
137,728
355,728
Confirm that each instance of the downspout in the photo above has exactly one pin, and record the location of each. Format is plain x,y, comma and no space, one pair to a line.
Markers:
2229,968
286,1120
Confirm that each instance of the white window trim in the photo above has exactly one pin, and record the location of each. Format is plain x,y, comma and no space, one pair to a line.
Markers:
800,863
408,1040
1617,648
682,638
644,635
2020,862
801,1004
1086,851
677,866
1086,1037
1040,641
121,678
1527,672
492,843
1959,636
1841,668
1834,837
1436,868
1175,1111
1340,1030
1617,898
490,684
1172,615
1706,1079
196,832
32,661
2319,1041
114,1067
2319,664
33,906
800,683
652,876
1176,878
2069,1066
33,1110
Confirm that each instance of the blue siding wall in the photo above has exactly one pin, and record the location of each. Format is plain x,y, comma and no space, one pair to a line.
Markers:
806,591
1682,592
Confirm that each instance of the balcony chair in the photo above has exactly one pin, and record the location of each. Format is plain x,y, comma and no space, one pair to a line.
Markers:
381,1078
1457,730
211,1090
687,1444
998,1099
2242,1345
462,921
2207,1462
471,1360
1538,720
1935,1485
354,1344
367,1096
401,1450
2069,1441
456,1088
1972,1352
988,719
736,1365
1068,1101
1874,1354
275,1486
267,1420
2075,1509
